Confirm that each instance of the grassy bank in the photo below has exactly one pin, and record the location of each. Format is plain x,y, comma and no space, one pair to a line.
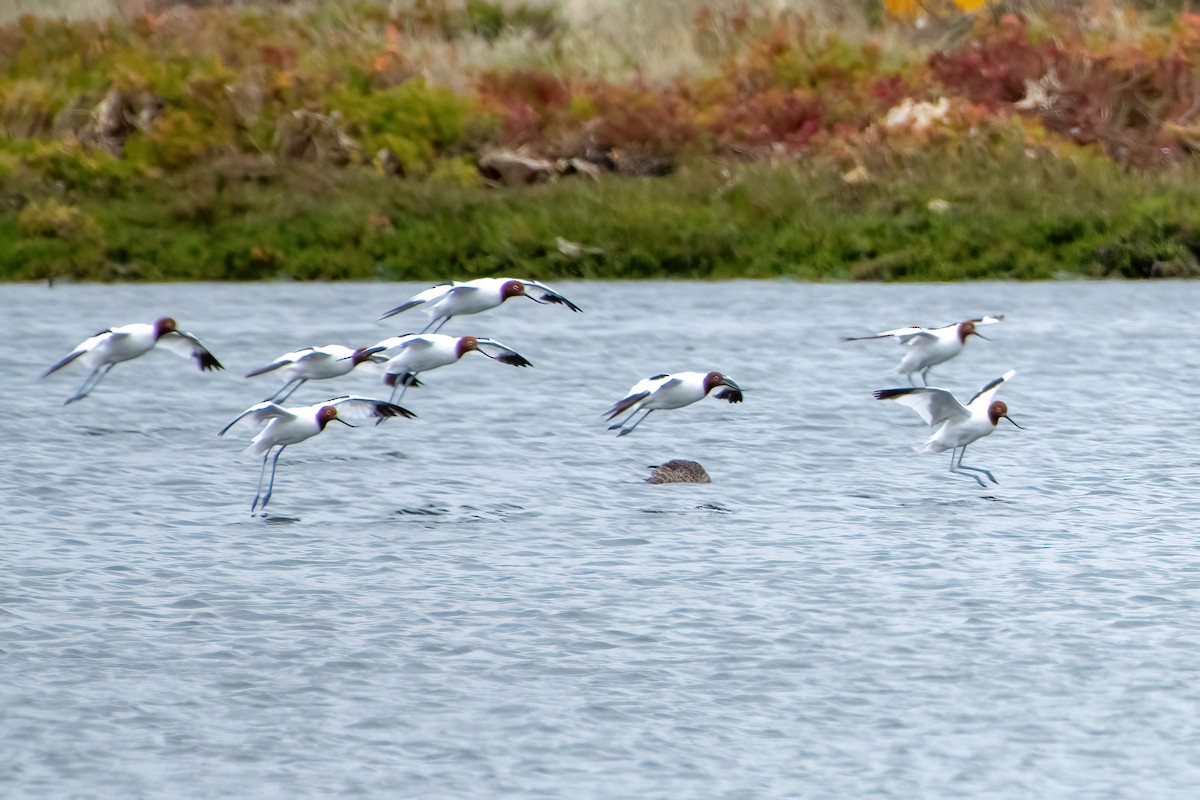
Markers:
335,143
1001,211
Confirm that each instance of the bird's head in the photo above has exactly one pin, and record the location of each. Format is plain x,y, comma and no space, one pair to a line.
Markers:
163,326
511,289
966,329
326,415
465,345
998,411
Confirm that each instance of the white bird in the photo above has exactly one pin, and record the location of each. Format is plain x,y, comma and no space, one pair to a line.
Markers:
414,353
452,299
669,391
100,352
288,426
929,347
315,364
957,425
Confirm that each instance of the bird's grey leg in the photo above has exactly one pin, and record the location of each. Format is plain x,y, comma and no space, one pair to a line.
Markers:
621,422
991,477
261,473
280,396
629,430
435,324
911,382
954,467
271,484
925,376
89,383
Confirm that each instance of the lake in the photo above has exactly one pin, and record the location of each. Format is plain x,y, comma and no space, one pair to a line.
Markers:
488,601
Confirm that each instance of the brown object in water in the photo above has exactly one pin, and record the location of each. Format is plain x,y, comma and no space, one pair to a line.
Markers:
678,471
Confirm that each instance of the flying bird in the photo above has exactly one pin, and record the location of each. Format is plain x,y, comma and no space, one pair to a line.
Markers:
957,425
315,364
288,426
669,391
928,347
414,353
453,299
107,348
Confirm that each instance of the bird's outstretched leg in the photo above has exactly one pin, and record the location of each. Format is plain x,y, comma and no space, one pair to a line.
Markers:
925,375
435,324
991,477
911,382
282,395
629,430
271,483
621,422
956,454
262,472
89,383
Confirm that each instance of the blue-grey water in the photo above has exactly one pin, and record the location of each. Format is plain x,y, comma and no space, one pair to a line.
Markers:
487,601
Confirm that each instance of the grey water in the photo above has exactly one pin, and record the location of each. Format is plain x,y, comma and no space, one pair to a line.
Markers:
488,601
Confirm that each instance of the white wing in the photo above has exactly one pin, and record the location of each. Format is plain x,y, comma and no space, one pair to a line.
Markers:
431,295
502,353
189,346
933,405
985,394
394,344
990,319
639,392
86,346
910,335
259,413
547,295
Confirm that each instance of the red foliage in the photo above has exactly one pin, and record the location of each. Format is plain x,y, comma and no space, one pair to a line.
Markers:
992,69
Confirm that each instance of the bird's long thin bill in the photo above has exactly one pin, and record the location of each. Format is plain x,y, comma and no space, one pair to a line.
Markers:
1010,419
981,336
348,425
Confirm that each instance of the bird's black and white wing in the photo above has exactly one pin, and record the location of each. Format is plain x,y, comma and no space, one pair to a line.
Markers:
431,295
189,346
502,353
935,406
985,394
541,293
260,413
86,346
364,408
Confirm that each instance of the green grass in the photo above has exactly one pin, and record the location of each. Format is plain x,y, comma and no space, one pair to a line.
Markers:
967,210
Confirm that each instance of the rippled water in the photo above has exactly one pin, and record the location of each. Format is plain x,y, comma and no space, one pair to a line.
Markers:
488,601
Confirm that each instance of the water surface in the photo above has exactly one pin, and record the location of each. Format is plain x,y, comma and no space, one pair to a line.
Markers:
487,601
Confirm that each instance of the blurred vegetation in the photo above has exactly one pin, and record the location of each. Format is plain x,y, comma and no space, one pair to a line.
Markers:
431,139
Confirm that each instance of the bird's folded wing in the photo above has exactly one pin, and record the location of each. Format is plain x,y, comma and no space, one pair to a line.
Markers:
189,346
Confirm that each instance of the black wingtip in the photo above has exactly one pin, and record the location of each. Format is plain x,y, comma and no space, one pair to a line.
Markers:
207,361
514,360
732,395
387,410
888,394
